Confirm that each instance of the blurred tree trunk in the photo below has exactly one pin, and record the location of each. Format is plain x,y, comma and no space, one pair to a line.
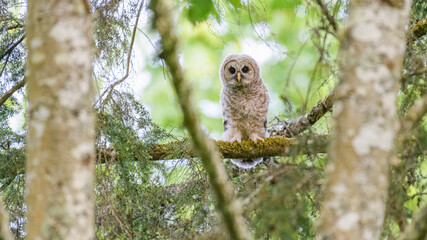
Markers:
60,123
366,123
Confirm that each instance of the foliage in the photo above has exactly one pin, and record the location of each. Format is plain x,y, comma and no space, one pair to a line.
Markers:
137,198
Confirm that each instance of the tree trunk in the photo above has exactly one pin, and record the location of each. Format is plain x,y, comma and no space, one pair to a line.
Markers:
60,121
365,114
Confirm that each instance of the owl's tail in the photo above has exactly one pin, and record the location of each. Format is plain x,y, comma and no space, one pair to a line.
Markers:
246,163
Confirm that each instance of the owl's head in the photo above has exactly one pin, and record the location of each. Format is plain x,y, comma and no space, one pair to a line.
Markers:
239,70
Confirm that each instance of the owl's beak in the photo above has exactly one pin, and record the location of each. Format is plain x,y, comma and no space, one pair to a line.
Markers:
238,76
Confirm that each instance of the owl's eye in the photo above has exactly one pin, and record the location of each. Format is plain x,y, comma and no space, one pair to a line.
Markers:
232,70
245,69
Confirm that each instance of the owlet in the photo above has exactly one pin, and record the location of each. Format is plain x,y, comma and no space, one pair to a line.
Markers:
244,100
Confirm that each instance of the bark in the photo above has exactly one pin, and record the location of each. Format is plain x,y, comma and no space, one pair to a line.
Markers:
230,208
4,222
366,123
60,121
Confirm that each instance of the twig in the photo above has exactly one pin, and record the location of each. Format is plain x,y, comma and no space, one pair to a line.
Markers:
328,16
110,89
229,207
15,26
9,93
4,65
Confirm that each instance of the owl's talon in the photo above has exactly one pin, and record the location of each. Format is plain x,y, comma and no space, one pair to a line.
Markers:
235,139
256,138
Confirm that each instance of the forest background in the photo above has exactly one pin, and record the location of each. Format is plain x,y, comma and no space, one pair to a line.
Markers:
297,45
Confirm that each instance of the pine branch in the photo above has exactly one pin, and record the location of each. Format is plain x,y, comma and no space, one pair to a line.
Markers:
110,89
229,207
9,93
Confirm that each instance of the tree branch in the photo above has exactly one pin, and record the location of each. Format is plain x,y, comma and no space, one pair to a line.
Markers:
4,222
272,146
110,89
9,93
9,50
417,230
328,16
229,207
410,120
302,123
420,28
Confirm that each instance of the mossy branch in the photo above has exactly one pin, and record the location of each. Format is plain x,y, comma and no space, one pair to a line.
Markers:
420,28
272,146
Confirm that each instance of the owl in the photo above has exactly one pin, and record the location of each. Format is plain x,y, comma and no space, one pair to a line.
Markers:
244,100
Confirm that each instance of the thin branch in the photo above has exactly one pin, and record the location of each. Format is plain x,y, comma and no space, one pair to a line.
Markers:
302,123
9,93
110,89
4,65
327,14
15,26
229,207
9,50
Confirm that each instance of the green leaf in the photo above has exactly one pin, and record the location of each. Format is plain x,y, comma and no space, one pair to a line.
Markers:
236,3
199,10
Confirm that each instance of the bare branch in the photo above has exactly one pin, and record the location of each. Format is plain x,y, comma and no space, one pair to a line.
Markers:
9,93
229,207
